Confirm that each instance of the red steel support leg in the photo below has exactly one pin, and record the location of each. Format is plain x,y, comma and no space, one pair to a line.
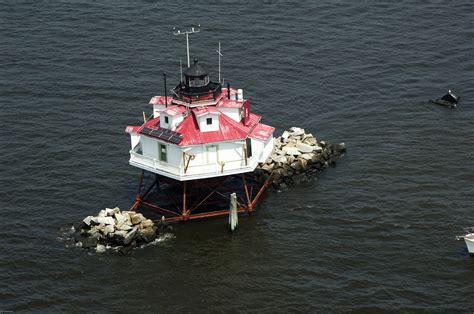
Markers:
187,211
157,182
249,201
138,198
144,195
140,186
262,189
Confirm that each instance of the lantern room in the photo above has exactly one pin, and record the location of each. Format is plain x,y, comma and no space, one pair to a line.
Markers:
197,85
196,75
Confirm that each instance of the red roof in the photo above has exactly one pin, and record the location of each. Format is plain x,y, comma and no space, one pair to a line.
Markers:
132,128
262,132
160,100
174,110
202,111
229,130
229,103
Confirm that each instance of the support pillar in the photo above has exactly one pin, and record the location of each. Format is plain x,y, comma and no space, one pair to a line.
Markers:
138,197
249,201
176,203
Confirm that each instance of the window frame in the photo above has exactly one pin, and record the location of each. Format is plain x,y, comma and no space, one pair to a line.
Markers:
162,156
248,147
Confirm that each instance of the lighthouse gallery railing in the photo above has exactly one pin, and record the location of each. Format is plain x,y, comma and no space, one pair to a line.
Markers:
192,169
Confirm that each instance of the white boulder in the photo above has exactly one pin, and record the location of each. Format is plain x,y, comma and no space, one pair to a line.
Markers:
304,148
317,149
291,151
306,156
106,220
112,211
296,131
148,223
130,236
279,158
89,219
124,226
100,248
108,229
137,218
120,218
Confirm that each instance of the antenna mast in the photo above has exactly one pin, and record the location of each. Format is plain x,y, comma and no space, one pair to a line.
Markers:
187,32
220,55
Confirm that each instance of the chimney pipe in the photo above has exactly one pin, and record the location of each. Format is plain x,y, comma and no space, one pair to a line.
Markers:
228,90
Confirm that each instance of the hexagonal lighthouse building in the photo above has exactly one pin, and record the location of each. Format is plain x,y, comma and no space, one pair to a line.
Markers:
200,135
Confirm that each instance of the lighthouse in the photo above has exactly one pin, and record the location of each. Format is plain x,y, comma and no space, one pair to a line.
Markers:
199,133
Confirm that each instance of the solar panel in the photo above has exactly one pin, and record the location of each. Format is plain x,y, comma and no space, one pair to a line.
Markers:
163,134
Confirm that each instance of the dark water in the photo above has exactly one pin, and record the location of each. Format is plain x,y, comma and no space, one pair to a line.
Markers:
374,233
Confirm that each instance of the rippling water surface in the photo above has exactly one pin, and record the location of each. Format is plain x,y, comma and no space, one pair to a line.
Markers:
374,233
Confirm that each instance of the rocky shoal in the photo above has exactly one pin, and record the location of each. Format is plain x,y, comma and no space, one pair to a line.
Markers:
117,230
297,156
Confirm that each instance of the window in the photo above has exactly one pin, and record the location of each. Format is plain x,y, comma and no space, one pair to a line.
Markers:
209,121
162,153
196,82
166,119
248,143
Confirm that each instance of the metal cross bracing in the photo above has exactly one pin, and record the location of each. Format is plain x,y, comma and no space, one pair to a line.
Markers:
195,199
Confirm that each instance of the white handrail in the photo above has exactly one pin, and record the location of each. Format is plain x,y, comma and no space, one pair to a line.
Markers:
192,170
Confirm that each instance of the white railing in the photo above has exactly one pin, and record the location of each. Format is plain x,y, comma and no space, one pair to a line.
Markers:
153,163
198,170
217,168
192,170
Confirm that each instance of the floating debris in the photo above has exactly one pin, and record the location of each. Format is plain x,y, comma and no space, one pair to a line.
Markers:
297,156
116,230
448,100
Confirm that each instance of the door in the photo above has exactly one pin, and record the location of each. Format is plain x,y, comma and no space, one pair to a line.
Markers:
211,154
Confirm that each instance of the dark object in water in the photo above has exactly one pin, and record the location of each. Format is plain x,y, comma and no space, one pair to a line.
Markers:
448,100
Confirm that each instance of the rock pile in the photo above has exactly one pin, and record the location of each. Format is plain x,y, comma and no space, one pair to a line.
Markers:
297,156
117,230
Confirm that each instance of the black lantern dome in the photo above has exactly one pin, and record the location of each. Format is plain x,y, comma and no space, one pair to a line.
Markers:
196,75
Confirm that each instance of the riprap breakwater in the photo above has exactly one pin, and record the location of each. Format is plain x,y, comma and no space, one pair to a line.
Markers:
297,156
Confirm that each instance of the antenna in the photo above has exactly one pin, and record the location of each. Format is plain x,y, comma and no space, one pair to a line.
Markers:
187,32
166,91
220,55
181,69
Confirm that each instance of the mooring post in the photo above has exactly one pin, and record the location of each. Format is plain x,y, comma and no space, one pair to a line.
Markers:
233,217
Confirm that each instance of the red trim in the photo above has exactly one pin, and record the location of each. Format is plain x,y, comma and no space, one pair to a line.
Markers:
174,110
262,132
132,128
202,111
229,103
159,100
